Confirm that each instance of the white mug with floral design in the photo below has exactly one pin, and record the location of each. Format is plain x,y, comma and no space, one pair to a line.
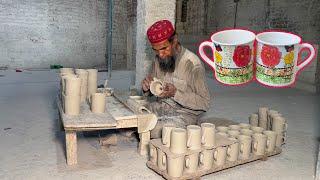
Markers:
232,55
277,58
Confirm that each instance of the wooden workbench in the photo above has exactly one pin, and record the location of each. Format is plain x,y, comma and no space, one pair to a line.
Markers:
118,115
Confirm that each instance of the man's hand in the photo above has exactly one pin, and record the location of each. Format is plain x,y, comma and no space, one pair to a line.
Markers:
146,83
169,90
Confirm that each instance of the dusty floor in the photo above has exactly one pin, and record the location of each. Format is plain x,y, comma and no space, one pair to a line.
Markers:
32,146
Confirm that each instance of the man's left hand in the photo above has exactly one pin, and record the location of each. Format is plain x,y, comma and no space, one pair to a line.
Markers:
169,90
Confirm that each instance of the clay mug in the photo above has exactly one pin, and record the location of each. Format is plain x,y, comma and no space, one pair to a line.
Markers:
71,104
194,137
271,115
279,124
271,140
92,82
175,166
235,127
219,155
245,146
178,141
156,87
162,160
233,133
206,159
67,70
244,126
83,75
223,134
233,150
233,55
222,128
192,163
259,143
63,81
281,138
257,129
277,58
263,120
208,134
166,134
153,154
247,132
98,102
254,120
72,86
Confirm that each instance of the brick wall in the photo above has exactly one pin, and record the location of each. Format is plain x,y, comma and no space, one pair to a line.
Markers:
38,33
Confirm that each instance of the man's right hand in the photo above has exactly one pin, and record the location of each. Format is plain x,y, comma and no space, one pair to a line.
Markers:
146,83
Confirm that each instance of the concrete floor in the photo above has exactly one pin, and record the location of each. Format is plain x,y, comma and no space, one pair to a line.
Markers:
32,146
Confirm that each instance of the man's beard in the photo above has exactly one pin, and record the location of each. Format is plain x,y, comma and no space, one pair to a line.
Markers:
167,64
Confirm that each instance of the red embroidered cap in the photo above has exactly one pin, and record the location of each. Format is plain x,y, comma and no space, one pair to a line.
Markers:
160,31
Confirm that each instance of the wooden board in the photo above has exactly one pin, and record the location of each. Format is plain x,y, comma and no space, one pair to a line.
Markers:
116,116
202,172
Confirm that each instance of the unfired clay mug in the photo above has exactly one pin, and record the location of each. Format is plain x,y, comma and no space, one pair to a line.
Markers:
92,82
166,134
233,133
98,102
194,137
233,55
245,146
153,154
206,159
257,129
219,155
178,141
224,134
175,166
277,58
263,117
67,70
192,163
247,132
233,150
162,159
259,143
83,75
208,134
71,104
73,86
235,127
279,124
271,140
156,87
254,120
244,126
222,128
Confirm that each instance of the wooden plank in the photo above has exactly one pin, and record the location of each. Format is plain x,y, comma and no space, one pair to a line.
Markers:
202,172
71,147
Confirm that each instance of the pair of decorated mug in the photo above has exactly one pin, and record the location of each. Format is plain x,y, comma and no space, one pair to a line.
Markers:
270,57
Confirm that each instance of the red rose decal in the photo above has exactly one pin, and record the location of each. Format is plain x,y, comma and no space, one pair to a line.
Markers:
270,56
242,56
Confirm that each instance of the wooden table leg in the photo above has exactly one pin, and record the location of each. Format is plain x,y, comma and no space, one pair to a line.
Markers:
71,147
144,143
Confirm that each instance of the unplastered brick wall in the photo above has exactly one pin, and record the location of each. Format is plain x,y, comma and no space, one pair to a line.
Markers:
69,32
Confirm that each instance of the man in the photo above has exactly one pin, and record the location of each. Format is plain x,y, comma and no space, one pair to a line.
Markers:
185,93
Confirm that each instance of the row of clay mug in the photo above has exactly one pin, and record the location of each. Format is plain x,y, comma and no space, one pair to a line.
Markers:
276,55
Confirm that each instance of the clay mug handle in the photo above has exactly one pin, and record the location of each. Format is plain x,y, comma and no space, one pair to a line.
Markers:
268,143
215,155
285,126
164,160
228,151
201,158
309,58
203,139
203,54
255,146
189,140
241,148
187,162
165,140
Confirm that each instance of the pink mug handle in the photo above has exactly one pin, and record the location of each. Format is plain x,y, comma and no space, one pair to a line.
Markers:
203,54
311,55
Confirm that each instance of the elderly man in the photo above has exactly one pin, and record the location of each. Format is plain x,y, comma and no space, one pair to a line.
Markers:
185,93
